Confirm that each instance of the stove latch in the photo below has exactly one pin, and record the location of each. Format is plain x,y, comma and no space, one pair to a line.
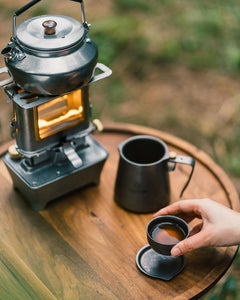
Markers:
72,155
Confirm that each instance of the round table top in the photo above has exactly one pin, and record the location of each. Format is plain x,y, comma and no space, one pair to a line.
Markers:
84,246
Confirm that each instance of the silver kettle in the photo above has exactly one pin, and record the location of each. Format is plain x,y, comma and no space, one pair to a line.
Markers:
51,54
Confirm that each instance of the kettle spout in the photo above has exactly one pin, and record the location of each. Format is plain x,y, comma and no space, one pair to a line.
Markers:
7,52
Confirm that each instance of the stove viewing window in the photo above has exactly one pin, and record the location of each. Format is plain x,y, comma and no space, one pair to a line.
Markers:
60,113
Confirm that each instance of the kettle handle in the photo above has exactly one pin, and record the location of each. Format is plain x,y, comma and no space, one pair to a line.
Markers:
19,12
83,12
33,2
25,7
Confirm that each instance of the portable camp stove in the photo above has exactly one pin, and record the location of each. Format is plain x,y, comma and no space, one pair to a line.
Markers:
55,152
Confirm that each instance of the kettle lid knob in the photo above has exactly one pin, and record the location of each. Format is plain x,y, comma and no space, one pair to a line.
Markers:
49,27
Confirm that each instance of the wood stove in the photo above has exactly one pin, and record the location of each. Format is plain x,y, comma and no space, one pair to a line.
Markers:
55,152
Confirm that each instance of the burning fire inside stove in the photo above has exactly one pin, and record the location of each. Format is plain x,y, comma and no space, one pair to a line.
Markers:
60,113
56,153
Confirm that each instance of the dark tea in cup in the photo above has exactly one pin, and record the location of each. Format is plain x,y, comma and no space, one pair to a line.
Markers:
167,234
164,232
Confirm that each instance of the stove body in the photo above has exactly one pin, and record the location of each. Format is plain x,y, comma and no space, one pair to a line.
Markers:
57,153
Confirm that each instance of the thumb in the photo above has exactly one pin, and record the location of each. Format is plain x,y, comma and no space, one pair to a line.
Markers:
194,242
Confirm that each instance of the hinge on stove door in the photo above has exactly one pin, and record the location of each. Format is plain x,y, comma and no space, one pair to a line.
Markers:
13,128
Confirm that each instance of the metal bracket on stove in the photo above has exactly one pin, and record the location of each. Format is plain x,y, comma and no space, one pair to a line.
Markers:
6,81
105,72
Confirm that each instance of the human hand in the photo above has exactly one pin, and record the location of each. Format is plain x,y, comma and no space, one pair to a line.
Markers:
219,225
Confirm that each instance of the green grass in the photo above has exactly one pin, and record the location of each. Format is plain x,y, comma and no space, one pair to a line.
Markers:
199,34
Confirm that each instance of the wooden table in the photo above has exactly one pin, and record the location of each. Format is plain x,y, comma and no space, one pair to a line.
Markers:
83,246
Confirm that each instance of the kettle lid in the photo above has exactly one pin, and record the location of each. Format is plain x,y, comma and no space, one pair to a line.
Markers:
50,32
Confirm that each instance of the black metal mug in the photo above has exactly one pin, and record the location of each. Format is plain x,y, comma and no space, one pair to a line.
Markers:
142,183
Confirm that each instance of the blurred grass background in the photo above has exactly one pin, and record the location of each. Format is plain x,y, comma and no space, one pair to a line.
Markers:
176,67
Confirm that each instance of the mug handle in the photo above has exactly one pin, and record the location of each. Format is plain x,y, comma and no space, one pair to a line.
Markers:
187,160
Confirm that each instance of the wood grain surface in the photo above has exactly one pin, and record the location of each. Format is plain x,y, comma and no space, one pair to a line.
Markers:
83,246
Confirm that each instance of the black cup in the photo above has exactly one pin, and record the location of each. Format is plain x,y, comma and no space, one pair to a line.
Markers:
167,221
142,183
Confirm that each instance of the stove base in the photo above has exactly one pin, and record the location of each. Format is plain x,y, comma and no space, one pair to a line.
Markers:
47,182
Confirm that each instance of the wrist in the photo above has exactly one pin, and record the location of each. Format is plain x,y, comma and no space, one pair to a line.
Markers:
233,229
237,229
